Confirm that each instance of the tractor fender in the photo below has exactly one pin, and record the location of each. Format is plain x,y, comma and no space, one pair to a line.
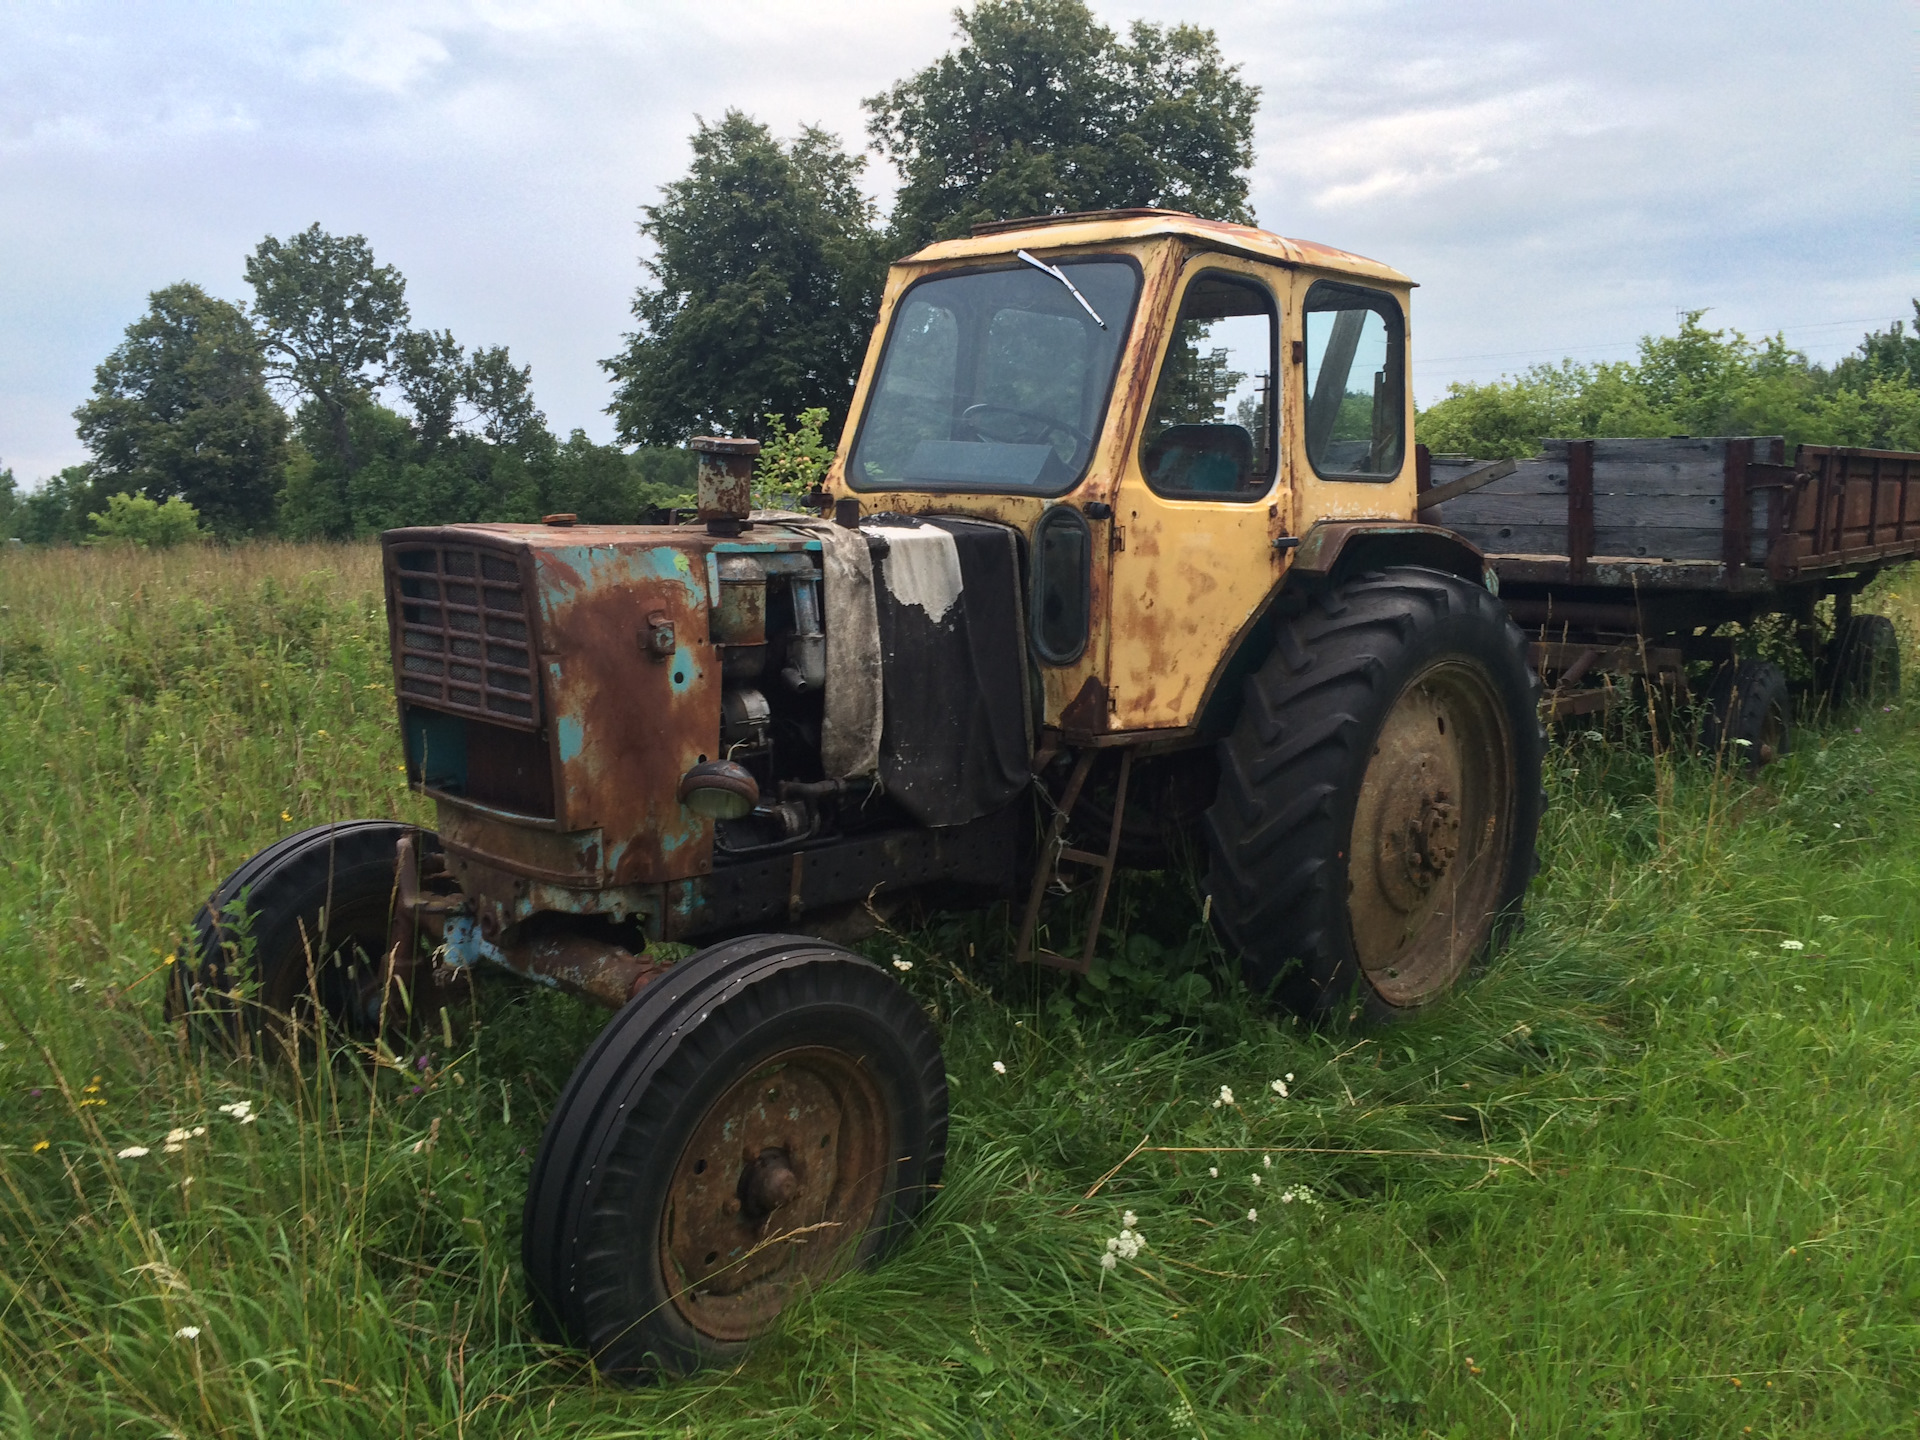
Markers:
1329,553
1334,549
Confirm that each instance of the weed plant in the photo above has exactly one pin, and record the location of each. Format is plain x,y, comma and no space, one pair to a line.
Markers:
1652,1173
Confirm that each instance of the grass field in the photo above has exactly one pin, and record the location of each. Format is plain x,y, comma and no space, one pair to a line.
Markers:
1655,1172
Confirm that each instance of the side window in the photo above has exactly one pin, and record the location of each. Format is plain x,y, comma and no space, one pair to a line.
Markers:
1356,390
1210,430
1062,581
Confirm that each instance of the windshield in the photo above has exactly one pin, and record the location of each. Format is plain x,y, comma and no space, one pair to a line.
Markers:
996,380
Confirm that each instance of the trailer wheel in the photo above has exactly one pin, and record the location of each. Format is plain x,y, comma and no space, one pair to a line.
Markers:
768,1114
1749,720
297,934
1863,663
1379,797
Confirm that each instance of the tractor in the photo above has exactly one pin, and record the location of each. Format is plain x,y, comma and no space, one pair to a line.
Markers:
1119,554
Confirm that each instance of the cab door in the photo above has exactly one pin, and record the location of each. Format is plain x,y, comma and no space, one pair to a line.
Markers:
1201,498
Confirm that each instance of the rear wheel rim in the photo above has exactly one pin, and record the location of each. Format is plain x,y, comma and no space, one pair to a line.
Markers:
1431,831
776,1186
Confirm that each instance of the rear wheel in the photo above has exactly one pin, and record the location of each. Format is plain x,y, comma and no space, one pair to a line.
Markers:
1863,663
766,1115
1379,797
296,935
1749,721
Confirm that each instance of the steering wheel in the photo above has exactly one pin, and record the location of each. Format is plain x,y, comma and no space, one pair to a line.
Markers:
1036,428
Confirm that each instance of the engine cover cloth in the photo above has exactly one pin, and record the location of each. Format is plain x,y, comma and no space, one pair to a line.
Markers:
955,733
850,724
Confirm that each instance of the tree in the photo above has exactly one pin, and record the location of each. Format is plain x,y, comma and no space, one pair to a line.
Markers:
430,372
140,521
1694,382
503,398
764,281
330,318
1042,110
181,408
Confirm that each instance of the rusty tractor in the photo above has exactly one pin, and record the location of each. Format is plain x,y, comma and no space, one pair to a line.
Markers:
1120,550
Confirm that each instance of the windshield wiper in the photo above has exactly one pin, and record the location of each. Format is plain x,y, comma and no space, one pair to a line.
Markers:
1057,273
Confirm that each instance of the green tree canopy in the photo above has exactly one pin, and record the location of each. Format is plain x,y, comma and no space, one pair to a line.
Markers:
330,318
1042,109
1696,381
763,284
181,409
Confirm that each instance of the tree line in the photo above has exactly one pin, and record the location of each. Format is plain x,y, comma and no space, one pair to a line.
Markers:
317,410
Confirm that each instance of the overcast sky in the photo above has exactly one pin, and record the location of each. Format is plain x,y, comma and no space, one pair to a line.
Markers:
1560,178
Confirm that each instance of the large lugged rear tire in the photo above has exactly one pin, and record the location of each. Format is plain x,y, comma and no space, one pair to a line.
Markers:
297,933
1379,797
767,1114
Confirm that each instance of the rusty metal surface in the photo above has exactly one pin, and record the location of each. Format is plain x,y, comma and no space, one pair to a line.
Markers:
1431,830
723,485
1321,548
1104,229
628,695
593,969
774,1191
457,616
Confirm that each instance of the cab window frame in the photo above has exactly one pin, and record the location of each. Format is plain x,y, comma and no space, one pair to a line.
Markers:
1392,312
1275,324
1123,328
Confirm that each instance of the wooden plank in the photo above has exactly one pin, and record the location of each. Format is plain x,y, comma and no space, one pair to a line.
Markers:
1650,542
1476,479
1580,536
1736,540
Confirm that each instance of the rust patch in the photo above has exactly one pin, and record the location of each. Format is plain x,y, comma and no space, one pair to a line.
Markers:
1086,714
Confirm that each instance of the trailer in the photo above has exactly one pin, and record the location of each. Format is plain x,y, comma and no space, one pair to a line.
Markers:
1629,562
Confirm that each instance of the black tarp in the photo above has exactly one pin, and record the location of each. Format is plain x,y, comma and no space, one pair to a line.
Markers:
955,738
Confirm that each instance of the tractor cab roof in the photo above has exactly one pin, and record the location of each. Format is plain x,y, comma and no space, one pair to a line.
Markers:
1101,227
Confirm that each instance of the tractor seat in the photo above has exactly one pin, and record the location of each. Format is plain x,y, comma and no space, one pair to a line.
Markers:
1201,459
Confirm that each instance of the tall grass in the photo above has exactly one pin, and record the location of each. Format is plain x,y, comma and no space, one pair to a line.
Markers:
1653,1173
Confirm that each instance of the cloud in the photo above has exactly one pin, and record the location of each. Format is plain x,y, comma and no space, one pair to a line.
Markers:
1559,178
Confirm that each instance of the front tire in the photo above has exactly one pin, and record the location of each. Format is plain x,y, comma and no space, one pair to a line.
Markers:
1379,797
766,1115
298,934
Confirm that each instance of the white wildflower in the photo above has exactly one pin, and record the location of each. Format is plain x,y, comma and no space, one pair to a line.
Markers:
1792,945
187,1332
174,1137
239,1109
1225,1097
1280,1088
1288,1077
1828,919
902,965
1124,1246
1107,1262
1256,1177
1266,1162
132,1152
1214,1171
1128,1220
1253,1214
999,1067
174,1149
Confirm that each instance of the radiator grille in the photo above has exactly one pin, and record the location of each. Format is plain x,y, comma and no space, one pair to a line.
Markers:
463,642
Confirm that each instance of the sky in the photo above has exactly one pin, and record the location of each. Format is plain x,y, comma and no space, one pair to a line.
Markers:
1560,178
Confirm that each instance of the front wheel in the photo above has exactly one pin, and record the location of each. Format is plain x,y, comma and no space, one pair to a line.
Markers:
1379,797
768,1114
296,939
